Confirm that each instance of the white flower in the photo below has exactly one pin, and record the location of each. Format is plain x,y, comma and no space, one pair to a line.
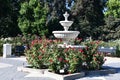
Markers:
10,39
2,39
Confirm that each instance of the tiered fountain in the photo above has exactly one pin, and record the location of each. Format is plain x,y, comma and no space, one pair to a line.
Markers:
66,35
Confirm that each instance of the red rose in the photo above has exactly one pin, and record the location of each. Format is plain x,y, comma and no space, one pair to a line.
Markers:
42,51
33,55
60,59
50,60
66,61
66,49
81,50
32,43
86,48
40,57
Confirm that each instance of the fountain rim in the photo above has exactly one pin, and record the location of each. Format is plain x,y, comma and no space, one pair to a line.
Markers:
65,21
66,32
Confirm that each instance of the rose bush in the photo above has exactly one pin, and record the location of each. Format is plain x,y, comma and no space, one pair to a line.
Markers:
93,59
45,53
67,59
38,53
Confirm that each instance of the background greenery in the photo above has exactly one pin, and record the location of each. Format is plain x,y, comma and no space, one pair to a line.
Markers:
98,19
32,18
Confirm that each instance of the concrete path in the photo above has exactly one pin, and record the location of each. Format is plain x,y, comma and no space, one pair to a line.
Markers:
112,62
8,70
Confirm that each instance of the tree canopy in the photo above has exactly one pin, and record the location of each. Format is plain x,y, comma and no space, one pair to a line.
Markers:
113,8
32,19
112,17
88,17
41,17
8,18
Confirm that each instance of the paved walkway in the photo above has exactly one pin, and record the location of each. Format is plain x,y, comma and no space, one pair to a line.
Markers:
8,70
113,63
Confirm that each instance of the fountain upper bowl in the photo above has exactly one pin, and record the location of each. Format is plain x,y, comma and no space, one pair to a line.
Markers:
66,34
66,23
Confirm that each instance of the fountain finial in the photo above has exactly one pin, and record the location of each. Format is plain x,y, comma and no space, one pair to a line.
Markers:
66,15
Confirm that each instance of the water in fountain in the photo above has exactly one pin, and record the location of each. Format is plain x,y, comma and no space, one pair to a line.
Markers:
66,35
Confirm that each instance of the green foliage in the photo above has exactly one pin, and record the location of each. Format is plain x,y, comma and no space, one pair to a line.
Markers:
33,17
112,27
45,53
118,50
1,47
8,18
113,8
88,18
108,44
37,56
56,10
93,59
67,59
19,40
113,43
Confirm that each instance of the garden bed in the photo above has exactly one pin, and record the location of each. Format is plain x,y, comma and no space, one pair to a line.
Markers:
72,76
29,69
64,76
51,74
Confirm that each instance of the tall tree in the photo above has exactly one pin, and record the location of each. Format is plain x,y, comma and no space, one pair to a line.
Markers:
33,16
8,18
56,10
88,17
113,8
111,29
112,14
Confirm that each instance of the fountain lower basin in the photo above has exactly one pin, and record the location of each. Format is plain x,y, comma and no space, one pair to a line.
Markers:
66,34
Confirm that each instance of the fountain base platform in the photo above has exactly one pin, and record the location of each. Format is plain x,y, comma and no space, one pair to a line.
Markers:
71,46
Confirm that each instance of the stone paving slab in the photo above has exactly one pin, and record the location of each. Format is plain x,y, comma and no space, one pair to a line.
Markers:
3,65
93,78
8,70
41,78
112,60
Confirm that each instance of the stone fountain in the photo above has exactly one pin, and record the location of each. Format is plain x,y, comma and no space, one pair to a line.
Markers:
66,35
